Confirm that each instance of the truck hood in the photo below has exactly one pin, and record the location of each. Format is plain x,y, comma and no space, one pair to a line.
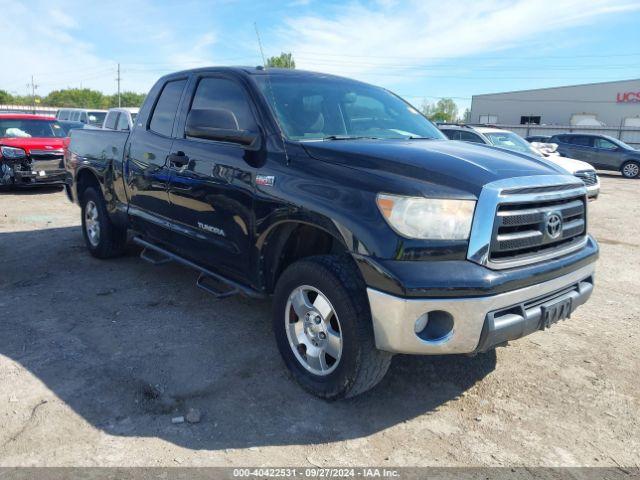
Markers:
34,143
452,165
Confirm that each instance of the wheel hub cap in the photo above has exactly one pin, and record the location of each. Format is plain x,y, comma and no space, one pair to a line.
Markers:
313,330
91,223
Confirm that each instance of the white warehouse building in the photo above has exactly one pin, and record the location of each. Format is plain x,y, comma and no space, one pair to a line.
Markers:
612,104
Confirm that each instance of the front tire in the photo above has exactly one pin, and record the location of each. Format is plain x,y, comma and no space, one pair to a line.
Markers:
630,169
102,237
322,323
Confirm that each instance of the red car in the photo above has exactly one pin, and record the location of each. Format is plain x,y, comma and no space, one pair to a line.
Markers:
31,150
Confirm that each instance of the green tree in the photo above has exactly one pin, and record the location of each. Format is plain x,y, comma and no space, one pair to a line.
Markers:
284,60
77,97
466,116
5,97
445,110
427,109
127,99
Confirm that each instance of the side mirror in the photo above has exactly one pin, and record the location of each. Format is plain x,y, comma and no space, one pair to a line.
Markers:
221,125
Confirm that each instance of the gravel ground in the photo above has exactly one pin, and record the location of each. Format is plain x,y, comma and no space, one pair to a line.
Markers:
97,357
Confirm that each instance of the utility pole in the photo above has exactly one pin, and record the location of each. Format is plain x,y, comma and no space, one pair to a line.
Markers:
33,87
118,80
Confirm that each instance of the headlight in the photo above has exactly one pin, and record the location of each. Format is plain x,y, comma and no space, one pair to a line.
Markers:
427,218
12,152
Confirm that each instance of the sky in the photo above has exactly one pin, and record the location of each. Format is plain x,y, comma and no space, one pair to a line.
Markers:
422,50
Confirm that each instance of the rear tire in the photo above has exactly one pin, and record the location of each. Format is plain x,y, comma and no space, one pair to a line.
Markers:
103,238
630,169
353,364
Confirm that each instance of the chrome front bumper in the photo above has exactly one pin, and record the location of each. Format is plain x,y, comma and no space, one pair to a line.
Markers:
394,317
593,191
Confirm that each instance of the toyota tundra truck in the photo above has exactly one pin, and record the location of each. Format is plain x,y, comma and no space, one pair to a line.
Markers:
372,233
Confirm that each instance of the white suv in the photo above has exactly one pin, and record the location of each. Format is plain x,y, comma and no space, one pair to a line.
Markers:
511,141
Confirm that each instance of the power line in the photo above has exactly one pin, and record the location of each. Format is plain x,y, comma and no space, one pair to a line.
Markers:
461,65
448,57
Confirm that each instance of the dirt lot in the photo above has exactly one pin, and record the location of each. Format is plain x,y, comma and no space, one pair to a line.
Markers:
96,357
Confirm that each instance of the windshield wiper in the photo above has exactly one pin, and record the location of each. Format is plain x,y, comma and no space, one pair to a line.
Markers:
348,137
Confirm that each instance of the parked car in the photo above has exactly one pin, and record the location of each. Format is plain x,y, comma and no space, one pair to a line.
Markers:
373,233
94,117
580,169
511,141
601,151
120,118
31,150
538,138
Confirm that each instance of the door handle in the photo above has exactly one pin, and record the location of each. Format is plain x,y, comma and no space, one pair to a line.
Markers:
178,159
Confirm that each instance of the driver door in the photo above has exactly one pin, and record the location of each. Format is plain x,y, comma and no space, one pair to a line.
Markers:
210,186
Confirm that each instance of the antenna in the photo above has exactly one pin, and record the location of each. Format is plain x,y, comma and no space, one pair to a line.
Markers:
273,98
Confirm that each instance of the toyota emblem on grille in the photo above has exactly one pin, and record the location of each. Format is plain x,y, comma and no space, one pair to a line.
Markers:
554,225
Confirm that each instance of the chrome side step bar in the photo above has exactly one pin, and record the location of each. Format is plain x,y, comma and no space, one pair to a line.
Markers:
209,281
154,257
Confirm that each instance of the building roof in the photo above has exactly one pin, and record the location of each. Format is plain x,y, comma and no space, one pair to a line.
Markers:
561,86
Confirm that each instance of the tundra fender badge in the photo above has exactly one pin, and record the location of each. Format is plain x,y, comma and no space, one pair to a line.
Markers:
265,180
211,229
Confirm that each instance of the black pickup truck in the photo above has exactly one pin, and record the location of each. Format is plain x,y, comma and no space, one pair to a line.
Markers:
373,233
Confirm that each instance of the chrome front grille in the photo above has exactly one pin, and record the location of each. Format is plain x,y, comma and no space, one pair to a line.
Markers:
589,177
524,220
525,229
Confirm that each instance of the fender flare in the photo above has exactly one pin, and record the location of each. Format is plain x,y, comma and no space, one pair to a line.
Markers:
273,239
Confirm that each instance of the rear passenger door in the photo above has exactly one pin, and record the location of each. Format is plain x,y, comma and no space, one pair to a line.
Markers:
211,195
147,171
579,147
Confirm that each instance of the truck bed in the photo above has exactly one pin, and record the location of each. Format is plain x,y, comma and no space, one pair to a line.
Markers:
98,145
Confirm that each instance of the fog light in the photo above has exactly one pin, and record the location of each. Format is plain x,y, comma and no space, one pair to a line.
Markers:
436,326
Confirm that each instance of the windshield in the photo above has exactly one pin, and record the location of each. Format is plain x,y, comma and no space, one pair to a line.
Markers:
510,141
96,118
27,128
312,108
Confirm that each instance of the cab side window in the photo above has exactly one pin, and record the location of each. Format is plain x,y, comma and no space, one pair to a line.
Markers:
164,112
451,134
110,121
223,94
123,122
470,137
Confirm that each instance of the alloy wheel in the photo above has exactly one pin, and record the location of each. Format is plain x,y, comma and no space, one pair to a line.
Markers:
91,223
631,170
313,330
